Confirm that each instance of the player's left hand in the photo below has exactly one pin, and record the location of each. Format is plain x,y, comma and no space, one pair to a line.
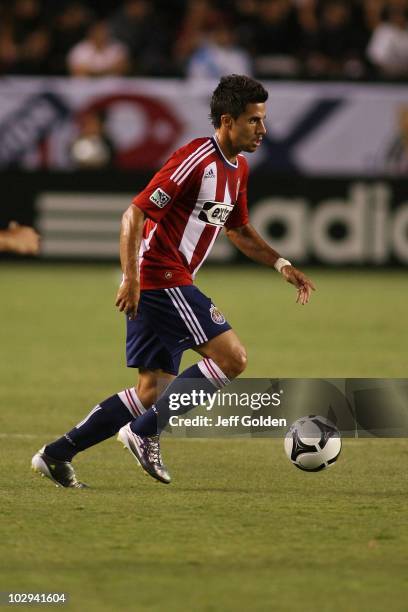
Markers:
303,284
22,239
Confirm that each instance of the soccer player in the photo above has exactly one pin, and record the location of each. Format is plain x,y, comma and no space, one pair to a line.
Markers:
167,232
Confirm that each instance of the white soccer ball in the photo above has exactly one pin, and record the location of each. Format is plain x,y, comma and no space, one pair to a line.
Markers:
313,443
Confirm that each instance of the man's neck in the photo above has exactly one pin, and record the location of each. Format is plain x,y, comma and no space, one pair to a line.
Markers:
229,152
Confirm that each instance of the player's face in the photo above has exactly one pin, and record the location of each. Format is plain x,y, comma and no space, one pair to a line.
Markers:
247,131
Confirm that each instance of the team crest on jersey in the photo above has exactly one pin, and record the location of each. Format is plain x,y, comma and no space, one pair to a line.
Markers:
216,315
160,198
215,213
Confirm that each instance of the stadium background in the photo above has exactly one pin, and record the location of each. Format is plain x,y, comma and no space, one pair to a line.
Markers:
240,527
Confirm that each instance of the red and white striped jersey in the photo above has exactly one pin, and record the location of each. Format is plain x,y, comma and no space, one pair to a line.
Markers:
187,203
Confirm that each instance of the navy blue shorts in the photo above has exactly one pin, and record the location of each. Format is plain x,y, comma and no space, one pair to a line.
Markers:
168,322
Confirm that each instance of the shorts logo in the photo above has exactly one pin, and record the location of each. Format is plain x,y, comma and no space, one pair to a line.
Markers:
160,198
215,213
168,275
216,315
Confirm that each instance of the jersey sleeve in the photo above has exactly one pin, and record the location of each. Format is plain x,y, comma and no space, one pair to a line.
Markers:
165,188
239,215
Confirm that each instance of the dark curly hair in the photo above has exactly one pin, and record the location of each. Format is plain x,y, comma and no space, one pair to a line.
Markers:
231,96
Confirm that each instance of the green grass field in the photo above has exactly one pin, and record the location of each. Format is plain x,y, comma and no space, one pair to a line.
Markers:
239,528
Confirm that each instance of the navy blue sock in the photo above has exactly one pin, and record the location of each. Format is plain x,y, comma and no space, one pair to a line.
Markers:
205,376
101,423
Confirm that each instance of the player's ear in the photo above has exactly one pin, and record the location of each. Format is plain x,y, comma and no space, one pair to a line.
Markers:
226,121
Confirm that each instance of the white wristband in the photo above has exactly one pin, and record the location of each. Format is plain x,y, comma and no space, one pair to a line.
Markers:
281,263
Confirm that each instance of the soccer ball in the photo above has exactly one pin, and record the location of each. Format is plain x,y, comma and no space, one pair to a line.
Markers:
313,443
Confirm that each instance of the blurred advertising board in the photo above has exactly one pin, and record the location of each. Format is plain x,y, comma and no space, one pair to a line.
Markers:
328,221
313,129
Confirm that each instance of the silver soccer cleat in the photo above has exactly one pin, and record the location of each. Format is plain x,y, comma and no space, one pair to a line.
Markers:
60,472
146,451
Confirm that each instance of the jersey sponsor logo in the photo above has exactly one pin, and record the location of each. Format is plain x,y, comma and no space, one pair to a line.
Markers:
209,174
160,198
215,213
216,315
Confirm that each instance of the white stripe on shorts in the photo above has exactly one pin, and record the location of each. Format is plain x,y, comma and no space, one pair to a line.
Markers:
188,316
191,312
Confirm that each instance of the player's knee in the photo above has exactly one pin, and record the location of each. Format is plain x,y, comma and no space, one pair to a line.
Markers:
240,361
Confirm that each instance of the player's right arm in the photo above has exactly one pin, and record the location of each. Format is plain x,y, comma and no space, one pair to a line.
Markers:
131,233
153,202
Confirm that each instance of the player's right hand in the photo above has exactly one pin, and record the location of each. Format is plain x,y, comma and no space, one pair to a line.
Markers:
127,297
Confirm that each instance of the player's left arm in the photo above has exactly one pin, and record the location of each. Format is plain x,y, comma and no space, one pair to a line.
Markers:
249,242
